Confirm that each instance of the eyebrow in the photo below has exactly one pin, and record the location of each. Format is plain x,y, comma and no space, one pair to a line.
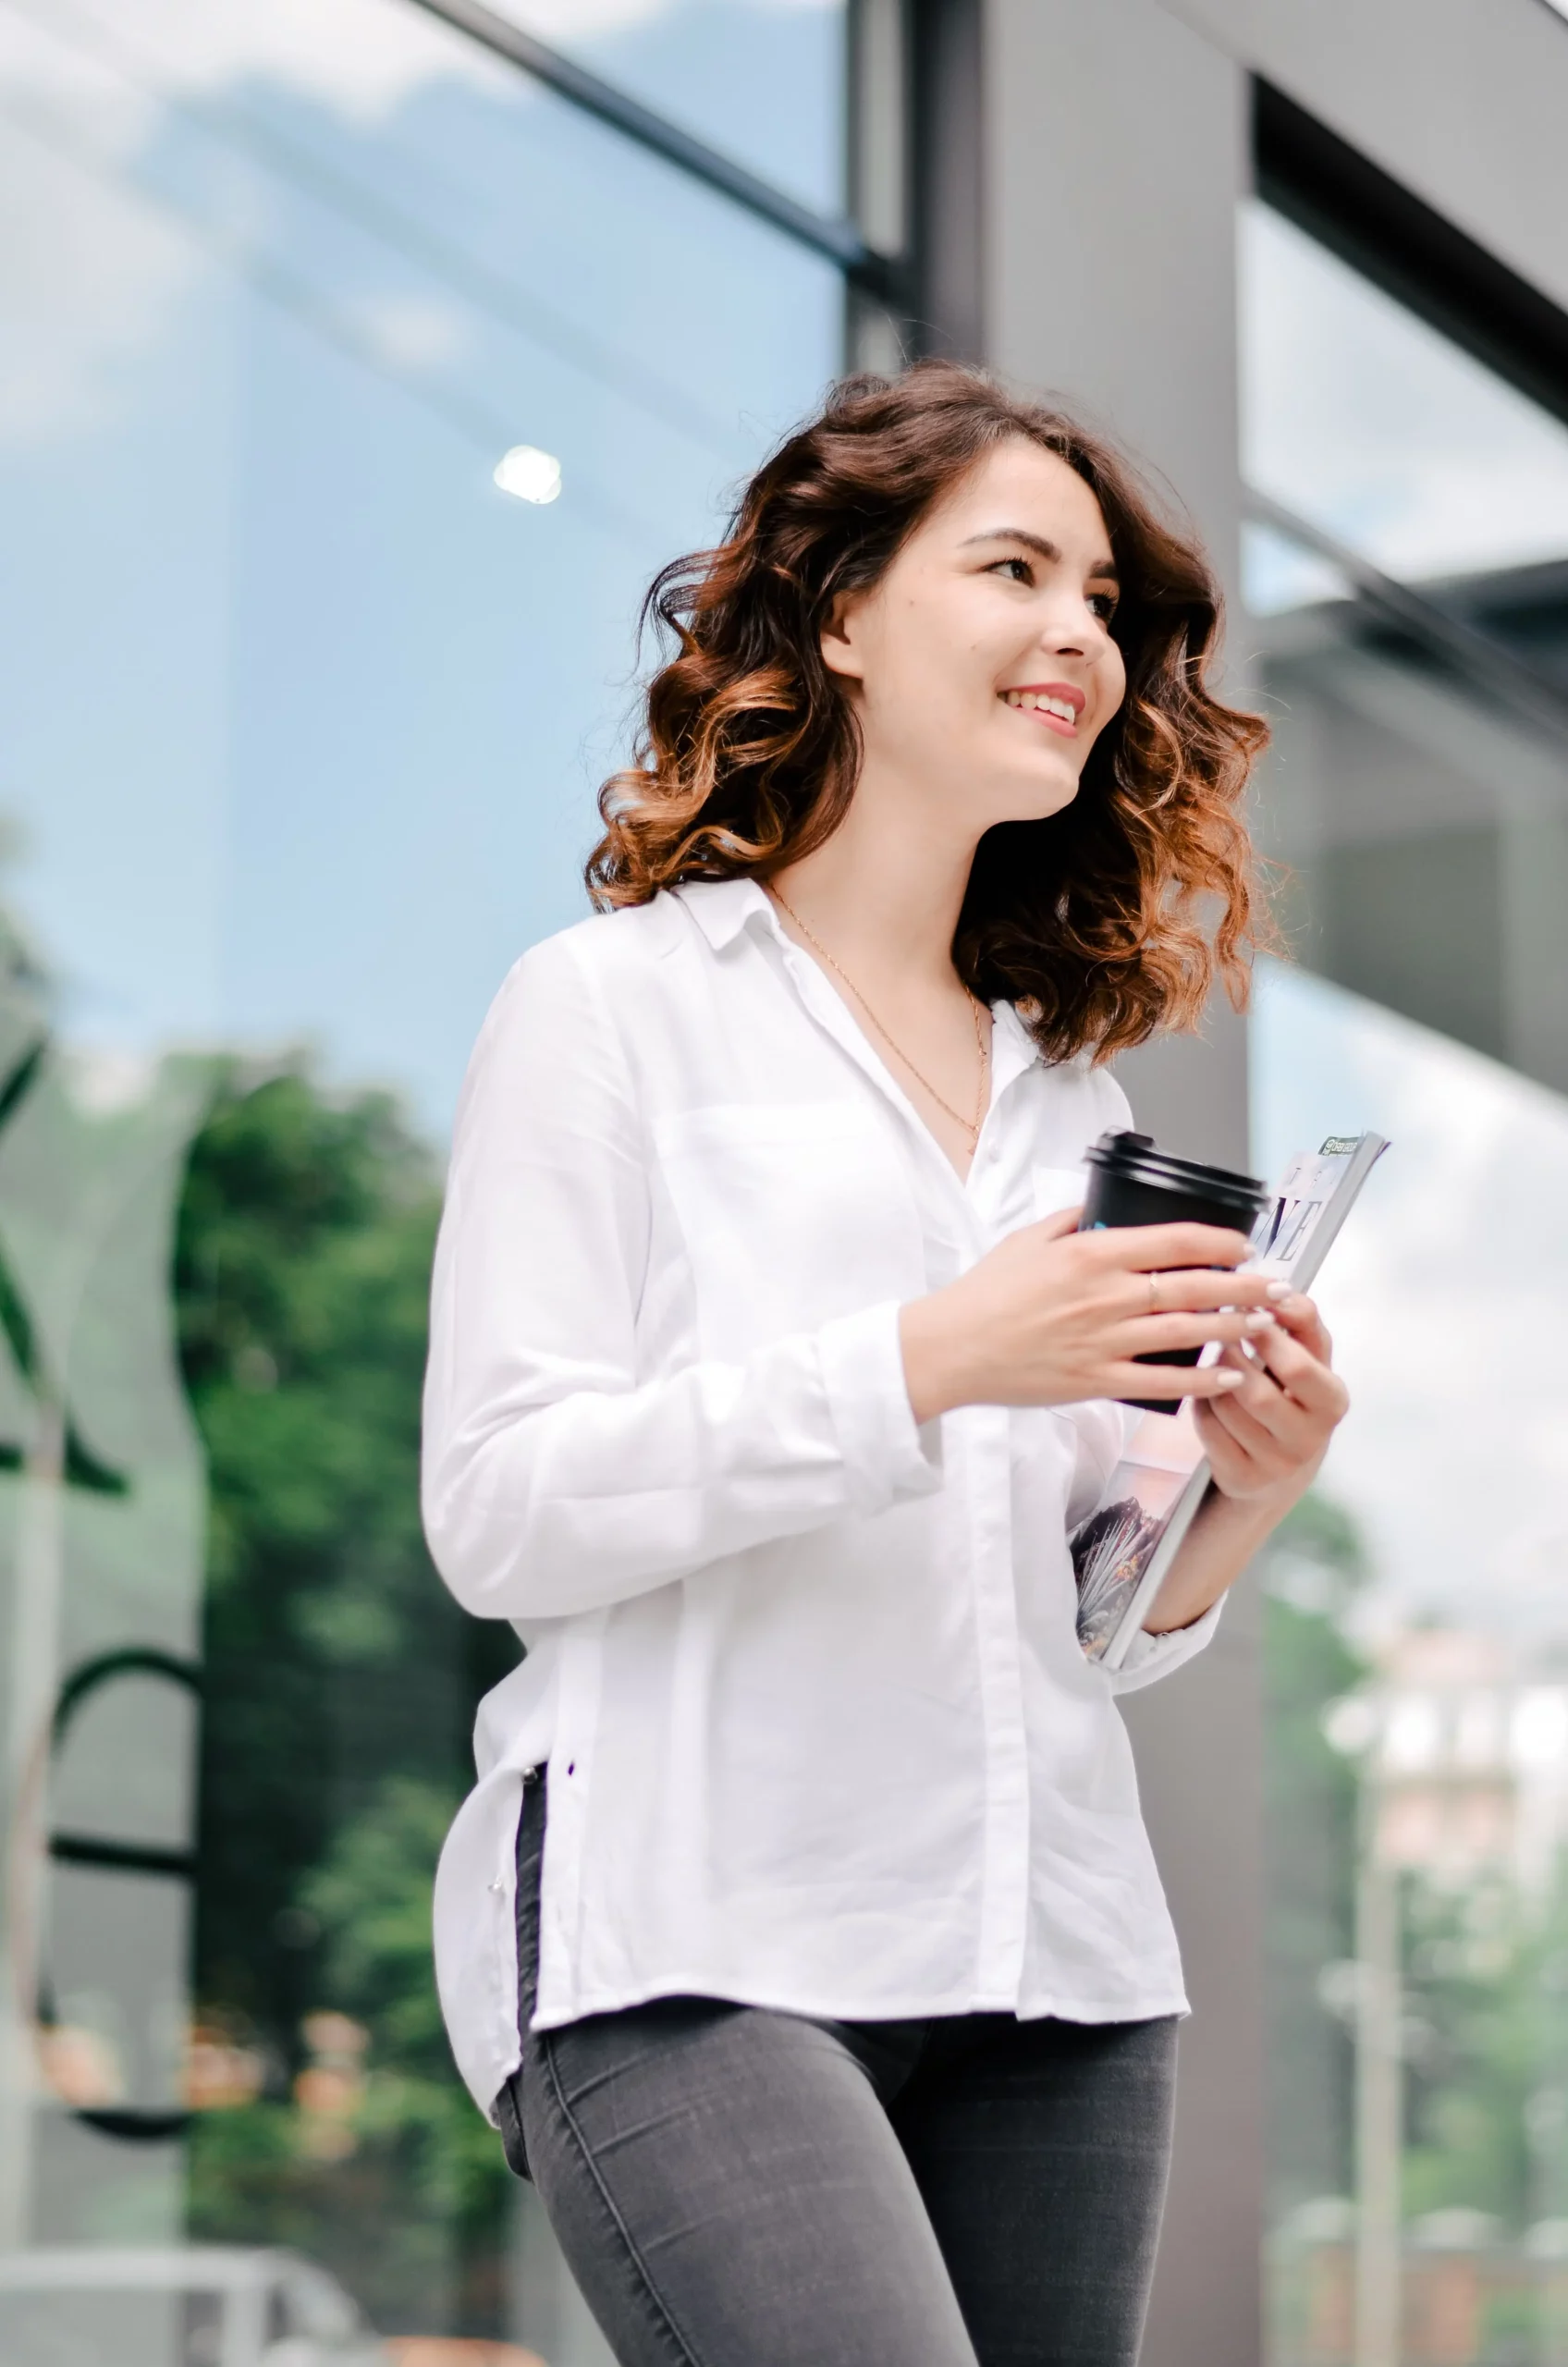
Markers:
1103,572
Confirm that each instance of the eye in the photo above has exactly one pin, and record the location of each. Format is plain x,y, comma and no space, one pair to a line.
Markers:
1024,572
1103,605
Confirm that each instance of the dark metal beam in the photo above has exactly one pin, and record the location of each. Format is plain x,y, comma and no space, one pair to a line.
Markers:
122,1856
1408,249
836,240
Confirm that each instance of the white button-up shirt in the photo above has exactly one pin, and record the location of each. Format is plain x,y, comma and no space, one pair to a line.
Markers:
820,1735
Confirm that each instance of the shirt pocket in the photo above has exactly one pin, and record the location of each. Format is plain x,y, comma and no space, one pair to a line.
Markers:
791,1215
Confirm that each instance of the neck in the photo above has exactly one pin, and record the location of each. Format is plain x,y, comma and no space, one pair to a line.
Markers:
886,889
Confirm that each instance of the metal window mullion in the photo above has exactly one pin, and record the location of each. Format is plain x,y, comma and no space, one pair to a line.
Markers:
835,239
1487,663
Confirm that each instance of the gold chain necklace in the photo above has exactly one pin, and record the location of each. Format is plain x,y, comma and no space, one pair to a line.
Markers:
971,1126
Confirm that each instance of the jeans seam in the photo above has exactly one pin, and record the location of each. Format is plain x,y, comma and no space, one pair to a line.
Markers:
639,2264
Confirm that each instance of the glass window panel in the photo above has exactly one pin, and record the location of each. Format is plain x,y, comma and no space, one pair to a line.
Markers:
1417,1652
1278,573
302,719
1372,425
1417,1666
1417,793
763,79
344,282
1422,824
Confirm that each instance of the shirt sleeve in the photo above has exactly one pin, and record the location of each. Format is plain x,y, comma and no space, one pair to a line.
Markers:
554,1482
1151,1657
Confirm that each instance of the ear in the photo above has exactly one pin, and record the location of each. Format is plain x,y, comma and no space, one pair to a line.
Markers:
840,641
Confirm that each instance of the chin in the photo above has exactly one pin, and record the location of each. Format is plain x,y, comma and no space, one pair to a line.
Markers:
1038,800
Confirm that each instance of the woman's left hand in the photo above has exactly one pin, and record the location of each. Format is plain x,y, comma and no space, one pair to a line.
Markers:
1266,1441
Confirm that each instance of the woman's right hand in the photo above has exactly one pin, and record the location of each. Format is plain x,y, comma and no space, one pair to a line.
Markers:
1052,1316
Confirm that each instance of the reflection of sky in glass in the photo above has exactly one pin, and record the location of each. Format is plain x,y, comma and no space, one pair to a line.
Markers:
1445,1295
1278,574
303,715
763,79
1370,424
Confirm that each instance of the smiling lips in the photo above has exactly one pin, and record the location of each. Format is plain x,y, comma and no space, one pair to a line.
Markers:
1056,705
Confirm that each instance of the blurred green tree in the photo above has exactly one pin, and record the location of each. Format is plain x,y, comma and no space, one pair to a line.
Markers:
341,1682
1310,1570
1486,2056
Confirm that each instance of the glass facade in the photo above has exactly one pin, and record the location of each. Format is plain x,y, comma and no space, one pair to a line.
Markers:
1367,421
764,80
303,718
1408,584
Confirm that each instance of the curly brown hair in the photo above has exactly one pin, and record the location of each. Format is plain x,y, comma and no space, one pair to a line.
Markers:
1102,923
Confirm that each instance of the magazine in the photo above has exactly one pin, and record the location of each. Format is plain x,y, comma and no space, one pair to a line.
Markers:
1121,1552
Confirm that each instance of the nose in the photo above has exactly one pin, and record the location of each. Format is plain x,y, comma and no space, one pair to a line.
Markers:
1070,626
1074,630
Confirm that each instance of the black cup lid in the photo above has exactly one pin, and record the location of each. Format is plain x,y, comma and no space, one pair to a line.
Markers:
1139,1155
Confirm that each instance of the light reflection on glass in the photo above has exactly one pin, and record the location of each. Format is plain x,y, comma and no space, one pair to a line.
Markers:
1278,574
1370,424
529,474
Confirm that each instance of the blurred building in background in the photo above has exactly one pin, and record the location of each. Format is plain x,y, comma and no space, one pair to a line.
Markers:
362,361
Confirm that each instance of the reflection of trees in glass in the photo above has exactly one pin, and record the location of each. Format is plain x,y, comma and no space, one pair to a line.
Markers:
1310,1570
340,1689
102,1500
1487,2053
1485,2159
80,1467
1479,2183
1471,1979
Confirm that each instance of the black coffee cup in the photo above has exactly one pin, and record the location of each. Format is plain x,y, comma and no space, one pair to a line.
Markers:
1133,1182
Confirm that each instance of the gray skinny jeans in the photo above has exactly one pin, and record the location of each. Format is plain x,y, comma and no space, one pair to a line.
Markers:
737,2187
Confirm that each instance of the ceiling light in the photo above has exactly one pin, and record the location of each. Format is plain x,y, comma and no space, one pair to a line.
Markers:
533,475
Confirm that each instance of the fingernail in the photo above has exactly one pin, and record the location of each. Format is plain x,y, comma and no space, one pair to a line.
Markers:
1259,1321
1278,1291
1232,1380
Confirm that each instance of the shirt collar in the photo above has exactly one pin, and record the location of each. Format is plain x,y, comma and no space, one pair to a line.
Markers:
721,908
1013,1049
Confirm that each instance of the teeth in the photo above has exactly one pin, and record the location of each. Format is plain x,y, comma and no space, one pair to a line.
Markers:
1040,699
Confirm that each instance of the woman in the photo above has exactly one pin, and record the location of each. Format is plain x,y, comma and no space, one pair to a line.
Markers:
824,1987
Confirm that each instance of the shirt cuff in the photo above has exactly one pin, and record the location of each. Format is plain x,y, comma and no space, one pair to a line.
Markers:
1151,1657
885,1456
